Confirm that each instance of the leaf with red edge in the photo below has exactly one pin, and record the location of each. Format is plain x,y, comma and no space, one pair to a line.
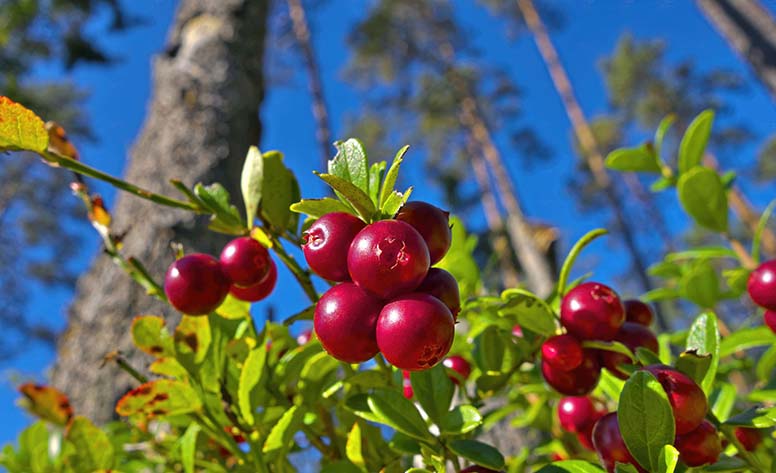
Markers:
163,397
20,128
46,402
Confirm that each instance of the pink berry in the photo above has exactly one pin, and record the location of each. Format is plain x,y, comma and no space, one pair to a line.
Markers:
326,244
196,284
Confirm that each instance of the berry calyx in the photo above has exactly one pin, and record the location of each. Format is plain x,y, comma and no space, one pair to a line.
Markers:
344,321
326,244
577,382
196,284
633,336
388,258
432,223
459,365
770,319
563,352
415,331
750,438
701,446
592,311
245,261
762,285
260,290
638,312
442,285
687,399
575,413
609,444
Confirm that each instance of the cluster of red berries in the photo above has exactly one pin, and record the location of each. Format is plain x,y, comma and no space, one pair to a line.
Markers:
762,289
593,311
388,298
198,283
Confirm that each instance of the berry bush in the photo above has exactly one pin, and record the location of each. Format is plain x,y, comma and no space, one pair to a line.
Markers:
408,351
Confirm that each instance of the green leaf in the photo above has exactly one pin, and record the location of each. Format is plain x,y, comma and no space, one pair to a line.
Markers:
624,468
149,333
702,252
251,182
353,448
694,141
694,365
394,410
701,285
225,218
568,263
531,311
279,191
394,203
376,172
477,452
93,450
766,364
736,279
660,133
663,183
459,260
250,376
282,433
234,309
669,457
20,128
489,350
352,195
189,447
761,226
192,339
460,420
703,338
703,197
351,164
727,464
341,466
746,338
641,159
645,418
722,401
391,177
757,417
570,466
647,357
433,390
162,397
616,347
317,208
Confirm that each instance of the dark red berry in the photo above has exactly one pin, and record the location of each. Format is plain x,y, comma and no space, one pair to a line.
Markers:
432,223
415,331
459,365
633,336
585,436
762,285
345,319
701,446
592,311
245,261
750,438
326,244
638,312
406,384
770,319
260,290
442,285
388,258
563,352
196,284
304,337
577,382
576,412
609,444
687,399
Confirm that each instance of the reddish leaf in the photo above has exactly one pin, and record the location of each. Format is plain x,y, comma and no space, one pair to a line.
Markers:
20,128
47,403
162,397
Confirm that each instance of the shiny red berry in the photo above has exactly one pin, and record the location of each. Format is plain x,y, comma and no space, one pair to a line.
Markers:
304,337
563,352
459,365
415,331
701,446
344,320
432,223
770,319
245,261
260,290
406,384
577,382
388,258
442,285
196,284
517,331
687,399
750,438
609,444
585,436
638,312
762,285
633,336
326,244
592,311
575,413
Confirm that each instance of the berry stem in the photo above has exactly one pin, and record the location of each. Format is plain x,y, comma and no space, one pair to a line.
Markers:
743,256
302,276
572,256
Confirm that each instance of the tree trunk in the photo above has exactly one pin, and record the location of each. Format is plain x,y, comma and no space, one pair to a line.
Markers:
203,116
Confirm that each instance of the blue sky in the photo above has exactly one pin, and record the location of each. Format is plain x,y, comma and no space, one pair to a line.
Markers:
119,97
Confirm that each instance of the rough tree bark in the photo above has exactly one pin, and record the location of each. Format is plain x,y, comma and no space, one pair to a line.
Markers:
203,116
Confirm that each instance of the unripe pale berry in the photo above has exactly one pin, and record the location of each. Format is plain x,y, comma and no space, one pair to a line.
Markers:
592,311
701,446
442,285
459,365
762,285
260,290
345,319
245,261
196,284
563,352
687,399
432,223
326,244
638,312
609,444
633,336
577,382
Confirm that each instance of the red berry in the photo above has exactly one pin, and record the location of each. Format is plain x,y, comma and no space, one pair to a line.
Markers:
577,382
326,244
749,438
344,321
632,335
245,261
700,446
638,312
576,412
432,223
609,444
517,331
563,352
762,285
592,311
388,258
260,290
442,285
557,457
304,337
687,398
585,436
415,331
770,319
407,384
459,365
196,284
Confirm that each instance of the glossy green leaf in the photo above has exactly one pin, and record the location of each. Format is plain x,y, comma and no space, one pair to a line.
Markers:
703,338
251,181
477,452
351,194
669,457
663,183
93,450
376,172
702,252
20,128
391,177
317,208
351,164
531,311
460,420
568,262
694,141
625,468
282,433
279,191
226,217
647,357
660,134
459,260
394,203
353,447
394,410
433,390
745,339
234,309
489,349
701,285
641,159
189,447
728,465
757,417
722,401
570,466
694,365
250,377
766,365
704,198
